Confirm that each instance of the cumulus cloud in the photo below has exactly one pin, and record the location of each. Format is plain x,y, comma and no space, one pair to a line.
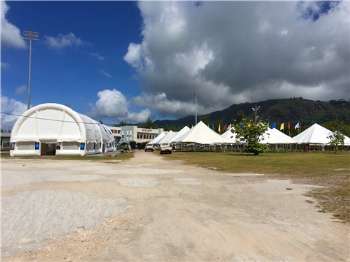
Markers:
11,110
161,104
62,41
232,52
10,34
133,55
113,104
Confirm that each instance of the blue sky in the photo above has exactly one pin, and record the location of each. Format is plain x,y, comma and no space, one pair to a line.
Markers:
129,61
84,56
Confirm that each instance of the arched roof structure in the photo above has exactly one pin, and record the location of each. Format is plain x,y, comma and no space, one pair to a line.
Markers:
72,133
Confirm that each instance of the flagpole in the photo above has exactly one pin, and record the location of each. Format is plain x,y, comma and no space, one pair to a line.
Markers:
195,95
288,128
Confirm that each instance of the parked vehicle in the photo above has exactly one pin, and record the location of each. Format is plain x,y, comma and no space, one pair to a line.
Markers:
149,147
165,148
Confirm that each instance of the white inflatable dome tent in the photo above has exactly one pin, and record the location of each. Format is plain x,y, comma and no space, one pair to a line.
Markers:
54,129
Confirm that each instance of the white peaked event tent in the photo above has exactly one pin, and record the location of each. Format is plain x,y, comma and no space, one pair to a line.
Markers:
58,130
166,139
180,133
230,136
202,134
346,141
274,136
157,139
315,134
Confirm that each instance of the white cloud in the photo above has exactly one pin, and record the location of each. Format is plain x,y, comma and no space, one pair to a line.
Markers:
4,65
10,34
62,41
21,90
133,55
232,52
11,110
103,72
161,104
98,56
114,105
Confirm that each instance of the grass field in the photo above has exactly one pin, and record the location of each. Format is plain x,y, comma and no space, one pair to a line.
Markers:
326,169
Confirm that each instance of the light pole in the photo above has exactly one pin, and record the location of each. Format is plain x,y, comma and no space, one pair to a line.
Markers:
195,96
30,35
256,113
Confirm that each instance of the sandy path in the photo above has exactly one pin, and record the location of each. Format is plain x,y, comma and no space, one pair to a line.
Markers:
149,209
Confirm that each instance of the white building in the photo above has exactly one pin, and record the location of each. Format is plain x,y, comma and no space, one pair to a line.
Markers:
125,134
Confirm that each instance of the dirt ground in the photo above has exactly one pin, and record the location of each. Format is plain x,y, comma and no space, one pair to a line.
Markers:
150,209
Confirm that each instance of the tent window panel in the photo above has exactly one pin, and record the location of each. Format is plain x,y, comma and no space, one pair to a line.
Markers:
70,146
25,145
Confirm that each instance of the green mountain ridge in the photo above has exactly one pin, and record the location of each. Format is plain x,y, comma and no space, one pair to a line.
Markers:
293,110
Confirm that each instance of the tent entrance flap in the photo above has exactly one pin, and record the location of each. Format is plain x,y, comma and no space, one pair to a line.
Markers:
48,149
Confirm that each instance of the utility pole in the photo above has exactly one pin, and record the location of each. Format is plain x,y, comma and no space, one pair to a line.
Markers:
195,95
30,35
256,113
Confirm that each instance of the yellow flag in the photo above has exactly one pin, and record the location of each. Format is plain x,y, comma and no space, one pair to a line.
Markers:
219,129
282,126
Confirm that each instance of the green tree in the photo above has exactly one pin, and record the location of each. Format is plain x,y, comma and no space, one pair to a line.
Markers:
132,144
240,117
205,119
148,124
252,134
336,140
141,145
339,126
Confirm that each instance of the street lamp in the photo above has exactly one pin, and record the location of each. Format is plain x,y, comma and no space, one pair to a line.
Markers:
30,35
195,95
256,113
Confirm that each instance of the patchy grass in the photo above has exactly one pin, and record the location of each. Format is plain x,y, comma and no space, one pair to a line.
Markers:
328,170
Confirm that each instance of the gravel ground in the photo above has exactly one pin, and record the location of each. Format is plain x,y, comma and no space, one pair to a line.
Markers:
150,209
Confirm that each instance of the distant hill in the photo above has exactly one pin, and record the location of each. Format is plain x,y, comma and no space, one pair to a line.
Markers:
278,111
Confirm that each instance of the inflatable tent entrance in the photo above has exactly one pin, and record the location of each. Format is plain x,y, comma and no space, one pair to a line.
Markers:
54,129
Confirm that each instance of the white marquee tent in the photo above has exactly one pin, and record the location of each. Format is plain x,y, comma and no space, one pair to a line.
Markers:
346,141
180,133
168,137
315,134
271,136
57,129
172,136
274,136
202,134
230,135
157,139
